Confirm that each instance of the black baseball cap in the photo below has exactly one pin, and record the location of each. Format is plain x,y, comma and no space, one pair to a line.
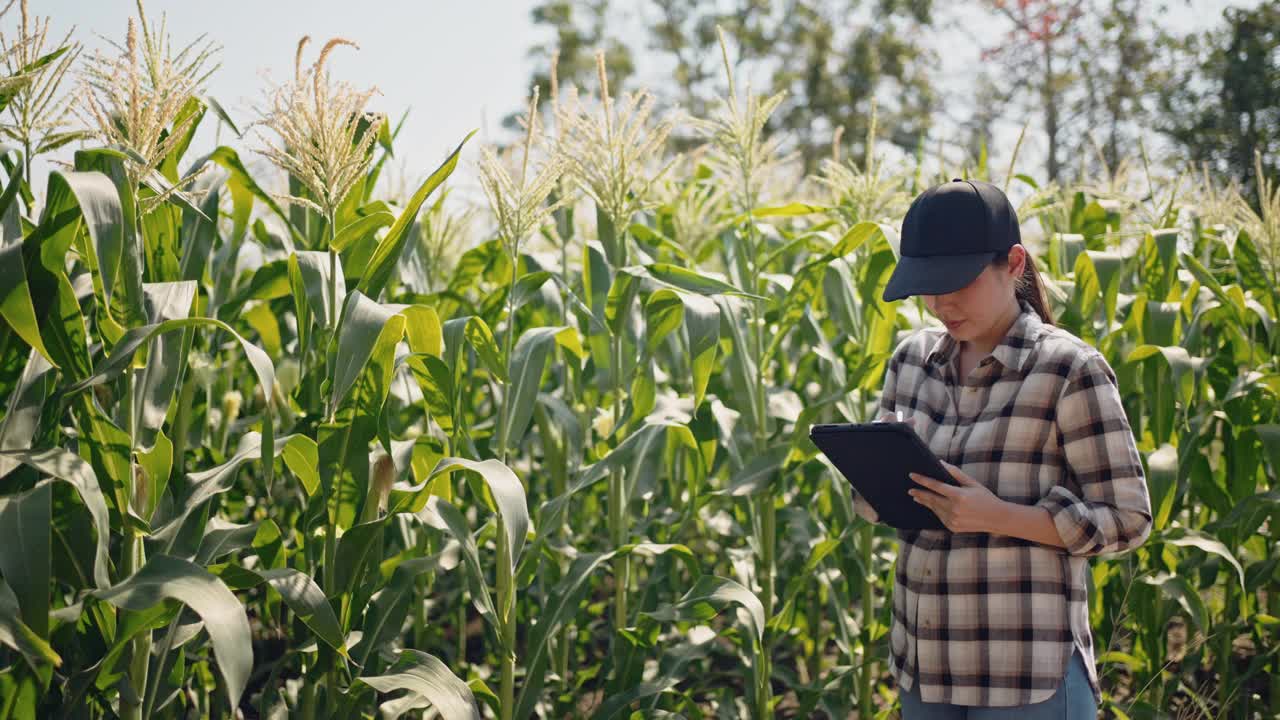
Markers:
950,233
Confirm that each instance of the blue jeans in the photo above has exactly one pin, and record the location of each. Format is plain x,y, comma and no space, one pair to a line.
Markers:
1072,701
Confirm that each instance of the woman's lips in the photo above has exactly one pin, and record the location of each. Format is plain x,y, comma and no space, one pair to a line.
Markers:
953,324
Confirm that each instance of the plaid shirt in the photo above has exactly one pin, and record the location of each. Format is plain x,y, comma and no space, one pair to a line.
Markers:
989,620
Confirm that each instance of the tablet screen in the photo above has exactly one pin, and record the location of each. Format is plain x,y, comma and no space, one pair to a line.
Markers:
876,459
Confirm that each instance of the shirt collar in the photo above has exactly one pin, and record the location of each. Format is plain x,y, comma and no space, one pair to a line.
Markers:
1013,352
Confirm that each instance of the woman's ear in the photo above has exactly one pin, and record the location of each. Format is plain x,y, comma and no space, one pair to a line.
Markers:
1017,261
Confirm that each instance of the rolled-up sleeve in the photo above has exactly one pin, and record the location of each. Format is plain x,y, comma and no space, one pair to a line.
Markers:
1112,512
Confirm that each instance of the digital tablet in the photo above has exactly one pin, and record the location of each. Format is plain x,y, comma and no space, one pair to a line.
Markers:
876,458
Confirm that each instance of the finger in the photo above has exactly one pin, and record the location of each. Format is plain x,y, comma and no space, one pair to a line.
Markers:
931,500
960,476
864,509
940,488
919,497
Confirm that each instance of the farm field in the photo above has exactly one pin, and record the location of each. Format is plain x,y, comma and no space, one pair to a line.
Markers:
280,443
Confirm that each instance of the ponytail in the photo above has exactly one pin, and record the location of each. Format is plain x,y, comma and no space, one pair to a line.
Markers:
1030,287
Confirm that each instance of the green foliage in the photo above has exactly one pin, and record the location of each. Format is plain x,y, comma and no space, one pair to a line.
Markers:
1230,109
342,483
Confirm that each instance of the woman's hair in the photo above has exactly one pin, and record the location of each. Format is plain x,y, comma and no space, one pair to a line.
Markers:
1030,287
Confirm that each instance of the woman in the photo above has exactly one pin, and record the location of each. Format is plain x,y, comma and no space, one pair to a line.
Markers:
990,617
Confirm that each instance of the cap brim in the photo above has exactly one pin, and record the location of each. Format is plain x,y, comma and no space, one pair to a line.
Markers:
934,275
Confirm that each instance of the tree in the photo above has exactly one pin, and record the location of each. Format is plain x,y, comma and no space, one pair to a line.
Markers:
832,58
686,31
1115,71
1219,99
833,66
1039,56
581,29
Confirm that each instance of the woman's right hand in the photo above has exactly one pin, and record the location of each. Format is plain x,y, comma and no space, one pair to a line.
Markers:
860,505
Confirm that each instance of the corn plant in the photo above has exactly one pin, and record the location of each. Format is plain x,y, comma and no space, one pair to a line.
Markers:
288,443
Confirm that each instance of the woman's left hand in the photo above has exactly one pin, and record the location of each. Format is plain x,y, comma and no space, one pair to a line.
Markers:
971,507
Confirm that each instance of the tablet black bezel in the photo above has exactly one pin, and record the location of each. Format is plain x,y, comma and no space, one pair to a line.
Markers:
898,510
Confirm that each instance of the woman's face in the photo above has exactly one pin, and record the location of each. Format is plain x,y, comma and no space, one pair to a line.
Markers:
981,309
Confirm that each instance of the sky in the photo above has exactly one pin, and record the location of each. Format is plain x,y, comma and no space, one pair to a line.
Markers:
456,65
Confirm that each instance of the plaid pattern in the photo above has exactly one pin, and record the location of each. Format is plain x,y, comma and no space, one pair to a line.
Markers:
989,620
